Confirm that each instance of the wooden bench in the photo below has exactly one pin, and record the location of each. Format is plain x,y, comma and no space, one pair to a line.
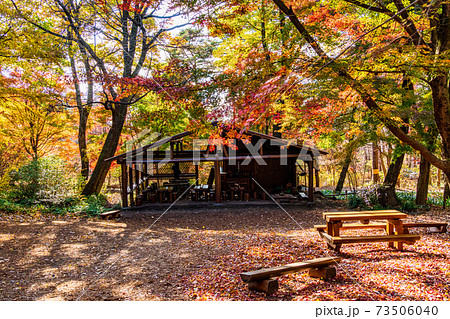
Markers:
441,227
354,226
110,214
406,238
264,279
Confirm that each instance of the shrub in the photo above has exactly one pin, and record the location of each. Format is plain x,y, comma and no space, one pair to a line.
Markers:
354,201
47,180
365,198
94,205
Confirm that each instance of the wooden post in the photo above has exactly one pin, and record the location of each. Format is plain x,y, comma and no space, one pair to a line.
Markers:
124,184
196,174
269,286
145,168
375,160
324,273
130,178
398,225
310,181
136,179
218,180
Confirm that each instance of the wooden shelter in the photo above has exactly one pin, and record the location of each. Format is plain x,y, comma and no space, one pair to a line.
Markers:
249,169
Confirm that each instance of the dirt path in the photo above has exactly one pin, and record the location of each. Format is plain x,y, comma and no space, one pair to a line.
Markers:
197,254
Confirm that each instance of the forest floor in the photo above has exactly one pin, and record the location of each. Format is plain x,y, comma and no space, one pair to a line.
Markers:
197,254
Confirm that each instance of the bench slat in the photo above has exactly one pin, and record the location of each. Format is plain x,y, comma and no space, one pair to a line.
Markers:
419,224
267,273
354,226
112,214
370,239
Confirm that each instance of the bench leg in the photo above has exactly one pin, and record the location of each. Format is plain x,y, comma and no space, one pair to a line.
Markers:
398,224
269,286
324,273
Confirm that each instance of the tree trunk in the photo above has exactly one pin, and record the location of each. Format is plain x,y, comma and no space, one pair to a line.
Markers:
83,110
394,171
422,183
345,166
316,173
95,183
82,144
446,193
386,193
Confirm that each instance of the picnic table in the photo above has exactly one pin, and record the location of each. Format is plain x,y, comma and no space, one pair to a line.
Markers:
201,192
289,197
392,222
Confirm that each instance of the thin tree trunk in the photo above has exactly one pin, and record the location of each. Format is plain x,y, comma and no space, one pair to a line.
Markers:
439,173
422,183
344,171
316,172
83,110
375,167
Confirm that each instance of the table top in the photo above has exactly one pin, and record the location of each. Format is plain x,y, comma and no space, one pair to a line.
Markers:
364,215
360,212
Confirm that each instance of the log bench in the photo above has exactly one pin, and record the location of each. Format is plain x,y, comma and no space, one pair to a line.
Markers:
265,279
110,214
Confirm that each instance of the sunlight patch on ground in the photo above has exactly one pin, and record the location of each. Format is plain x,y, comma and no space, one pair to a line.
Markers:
74,250
60,222
70,286
39,251
113,231
6,237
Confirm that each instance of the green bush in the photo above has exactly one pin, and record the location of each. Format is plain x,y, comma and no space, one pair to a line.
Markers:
354,201
94,205
48,180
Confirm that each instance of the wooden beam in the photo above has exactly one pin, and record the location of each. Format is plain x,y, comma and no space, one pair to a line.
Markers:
267,273
124,185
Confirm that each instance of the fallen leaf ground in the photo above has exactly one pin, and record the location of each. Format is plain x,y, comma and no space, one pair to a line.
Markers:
198,253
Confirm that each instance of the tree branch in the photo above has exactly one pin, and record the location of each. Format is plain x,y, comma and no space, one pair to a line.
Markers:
366,96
